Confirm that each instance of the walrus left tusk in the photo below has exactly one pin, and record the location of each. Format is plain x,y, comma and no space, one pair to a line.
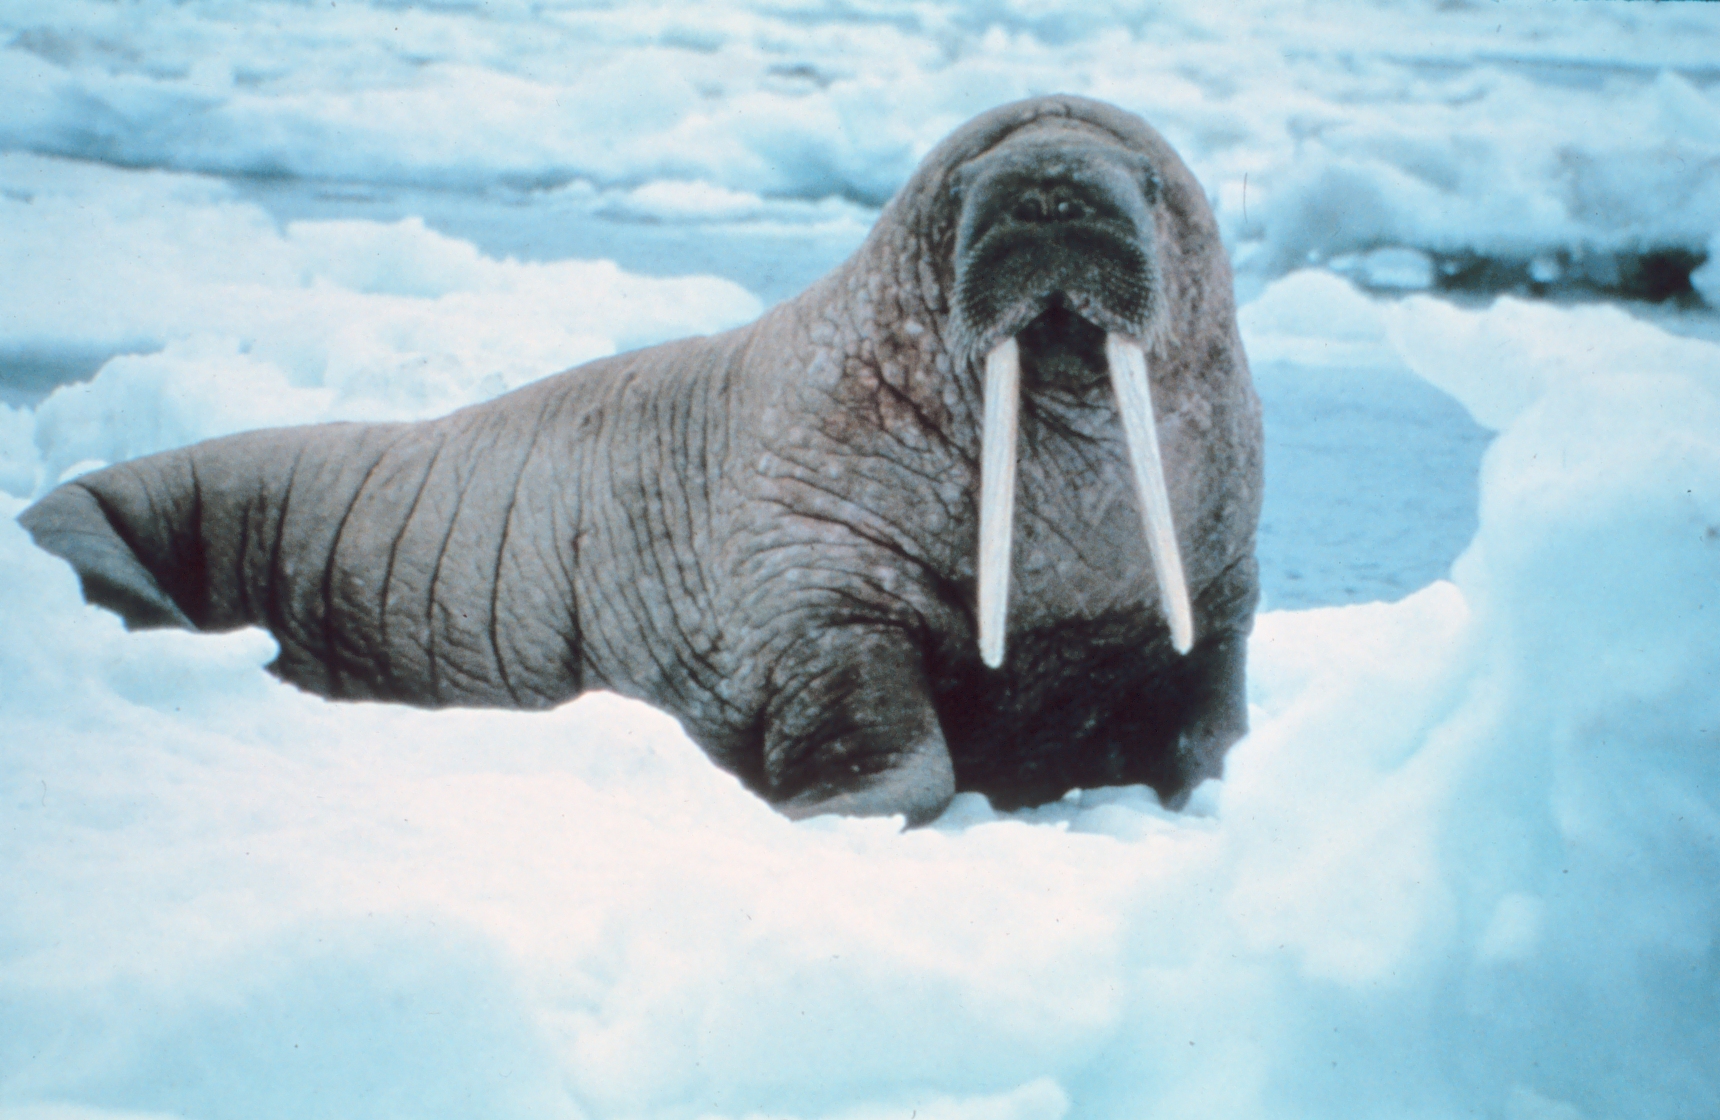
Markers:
997,494
1135,400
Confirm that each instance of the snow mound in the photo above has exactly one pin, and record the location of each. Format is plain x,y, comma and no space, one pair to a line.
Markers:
1468,862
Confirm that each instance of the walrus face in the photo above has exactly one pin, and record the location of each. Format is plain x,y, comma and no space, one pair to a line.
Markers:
1045,223
1056,255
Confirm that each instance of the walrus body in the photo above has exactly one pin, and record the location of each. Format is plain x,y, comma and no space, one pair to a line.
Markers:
772,532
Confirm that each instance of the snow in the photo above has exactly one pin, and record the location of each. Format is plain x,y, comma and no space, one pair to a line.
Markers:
223,321
1465,864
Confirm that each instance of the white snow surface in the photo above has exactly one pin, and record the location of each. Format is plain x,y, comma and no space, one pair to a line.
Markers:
1465,864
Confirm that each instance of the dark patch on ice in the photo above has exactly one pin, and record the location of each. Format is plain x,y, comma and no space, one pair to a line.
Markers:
28,375
1655,274
1652,275
801,74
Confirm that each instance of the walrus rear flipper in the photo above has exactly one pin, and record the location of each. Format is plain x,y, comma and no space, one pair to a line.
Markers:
71,523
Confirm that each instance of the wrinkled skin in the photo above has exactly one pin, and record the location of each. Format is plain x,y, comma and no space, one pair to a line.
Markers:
771,532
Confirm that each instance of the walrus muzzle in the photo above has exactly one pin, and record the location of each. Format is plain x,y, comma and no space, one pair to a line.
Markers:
1044,227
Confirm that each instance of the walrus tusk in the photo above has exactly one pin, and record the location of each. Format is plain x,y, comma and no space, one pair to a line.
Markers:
1128,365
997,494
1135,400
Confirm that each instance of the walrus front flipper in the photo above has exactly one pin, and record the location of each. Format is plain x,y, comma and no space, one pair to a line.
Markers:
71,523
860,736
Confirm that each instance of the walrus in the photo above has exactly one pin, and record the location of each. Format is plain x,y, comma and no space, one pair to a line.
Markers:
976,511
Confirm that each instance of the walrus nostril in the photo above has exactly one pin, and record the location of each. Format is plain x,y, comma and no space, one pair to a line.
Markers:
1030,208
1040,206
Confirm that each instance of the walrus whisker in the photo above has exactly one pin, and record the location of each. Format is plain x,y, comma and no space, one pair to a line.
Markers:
1128,364
997,494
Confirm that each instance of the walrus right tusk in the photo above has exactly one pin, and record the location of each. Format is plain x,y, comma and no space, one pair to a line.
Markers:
1135,400
997,495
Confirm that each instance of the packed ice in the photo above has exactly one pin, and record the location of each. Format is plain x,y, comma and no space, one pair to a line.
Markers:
1467,863
1552,140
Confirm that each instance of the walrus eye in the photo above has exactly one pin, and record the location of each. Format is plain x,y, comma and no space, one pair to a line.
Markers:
1147,179
1128,368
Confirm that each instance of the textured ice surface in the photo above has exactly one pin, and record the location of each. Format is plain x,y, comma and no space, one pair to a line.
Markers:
1553,139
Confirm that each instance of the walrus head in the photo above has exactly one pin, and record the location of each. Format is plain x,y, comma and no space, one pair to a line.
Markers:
1056,255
